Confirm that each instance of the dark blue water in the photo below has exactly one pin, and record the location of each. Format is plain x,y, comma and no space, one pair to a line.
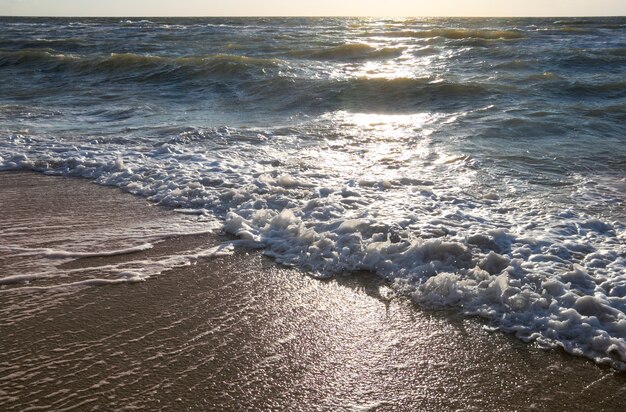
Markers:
474,163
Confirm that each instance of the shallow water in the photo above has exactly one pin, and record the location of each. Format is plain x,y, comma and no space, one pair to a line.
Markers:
473,163
239,332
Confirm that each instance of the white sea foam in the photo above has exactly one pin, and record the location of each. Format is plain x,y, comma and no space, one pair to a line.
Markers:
52,253
533,262
128,271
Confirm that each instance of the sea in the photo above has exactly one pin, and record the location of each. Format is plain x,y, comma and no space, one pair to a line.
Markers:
477,165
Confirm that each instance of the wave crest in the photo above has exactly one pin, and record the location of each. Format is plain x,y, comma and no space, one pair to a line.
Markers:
458,34
48,59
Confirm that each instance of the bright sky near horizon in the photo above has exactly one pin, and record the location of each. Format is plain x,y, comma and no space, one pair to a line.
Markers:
313,8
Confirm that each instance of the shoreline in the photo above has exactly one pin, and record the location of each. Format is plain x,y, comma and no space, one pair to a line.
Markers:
241,332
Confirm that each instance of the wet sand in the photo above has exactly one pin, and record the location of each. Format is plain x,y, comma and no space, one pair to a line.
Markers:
242,333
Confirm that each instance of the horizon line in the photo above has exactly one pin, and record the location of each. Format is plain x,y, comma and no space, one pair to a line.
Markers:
313,16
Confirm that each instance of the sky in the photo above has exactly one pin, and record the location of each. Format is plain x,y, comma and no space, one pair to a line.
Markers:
399,8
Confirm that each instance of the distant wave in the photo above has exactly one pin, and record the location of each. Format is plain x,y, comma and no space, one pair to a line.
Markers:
136,22
457,34
129,62
575,22
39,43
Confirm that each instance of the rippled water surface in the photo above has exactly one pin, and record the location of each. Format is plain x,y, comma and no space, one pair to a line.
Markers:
473,163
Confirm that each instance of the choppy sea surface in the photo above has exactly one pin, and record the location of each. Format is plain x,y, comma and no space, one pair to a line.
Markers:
478,164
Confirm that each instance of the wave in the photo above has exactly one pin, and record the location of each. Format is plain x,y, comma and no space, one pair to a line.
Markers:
136,22
23,112
615,112
545,76
576,22
43,56
29,43
260,79
583,88
130,62
456,34
349,51
608,90
576,30
588,60
395,95
547,289
408,92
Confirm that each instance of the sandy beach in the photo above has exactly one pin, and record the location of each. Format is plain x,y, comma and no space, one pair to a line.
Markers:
240,332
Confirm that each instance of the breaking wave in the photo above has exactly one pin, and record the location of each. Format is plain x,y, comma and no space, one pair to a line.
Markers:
480,167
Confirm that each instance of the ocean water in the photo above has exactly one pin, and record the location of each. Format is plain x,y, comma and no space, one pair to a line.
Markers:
478,164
